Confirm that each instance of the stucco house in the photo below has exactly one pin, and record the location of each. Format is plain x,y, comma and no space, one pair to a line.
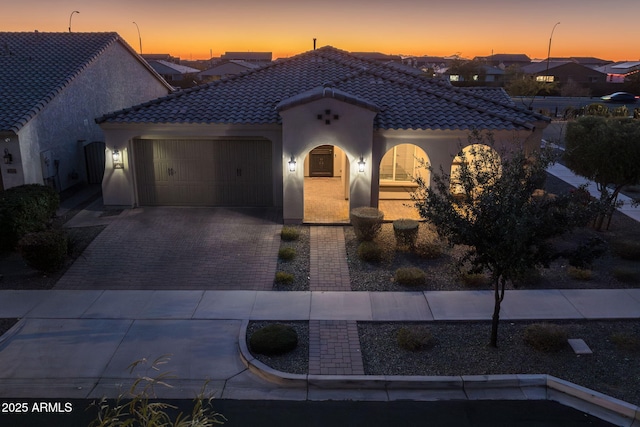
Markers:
52,87
257,139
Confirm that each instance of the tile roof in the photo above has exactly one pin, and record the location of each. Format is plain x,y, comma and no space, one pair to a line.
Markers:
405,100
36,66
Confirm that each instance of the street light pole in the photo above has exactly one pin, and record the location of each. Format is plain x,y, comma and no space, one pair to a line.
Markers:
139,38
549,50
70,16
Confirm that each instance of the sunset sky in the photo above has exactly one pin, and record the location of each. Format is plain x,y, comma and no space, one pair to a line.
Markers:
197,29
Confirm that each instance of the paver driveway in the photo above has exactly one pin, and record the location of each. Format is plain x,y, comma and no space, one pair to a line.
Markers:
181,248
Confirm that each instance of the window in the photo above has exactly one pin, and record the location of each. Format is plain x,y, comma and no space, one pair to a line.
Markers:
400,163
548,79
454,78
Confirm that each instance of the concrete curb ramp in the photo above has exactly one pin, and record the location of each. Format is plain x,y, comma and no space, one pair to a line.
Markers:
437,388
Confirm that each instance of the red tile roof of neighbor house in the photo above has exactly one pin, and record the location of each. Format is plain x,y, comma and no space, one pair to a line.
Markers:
404,100
35,67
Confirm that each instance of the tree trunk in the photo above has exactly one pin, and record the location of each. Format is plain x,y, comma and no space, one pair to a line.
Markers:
499,296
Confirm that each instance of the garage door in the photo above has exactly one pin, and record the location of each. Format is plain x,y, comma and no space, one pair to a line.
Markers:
204,173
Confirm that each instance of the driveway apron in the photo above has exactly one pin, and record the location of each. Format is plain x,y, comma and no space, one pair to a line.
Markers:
181,248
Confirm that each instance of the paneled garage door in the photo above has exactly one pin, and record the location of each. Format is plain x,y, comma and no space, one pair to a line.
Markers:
204,172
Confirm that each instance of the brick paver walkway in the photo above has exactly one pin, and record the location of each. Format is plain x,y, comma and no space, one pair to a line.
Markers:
181,248
329,270
334,346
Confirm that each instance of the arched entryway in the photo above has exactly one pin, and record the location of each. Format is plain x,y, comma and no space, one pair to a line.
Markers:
480,156
398,169
326,185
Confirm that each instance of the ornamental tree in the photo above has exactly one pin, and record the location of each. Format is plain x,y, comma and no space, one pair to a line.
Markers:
607,152
496,212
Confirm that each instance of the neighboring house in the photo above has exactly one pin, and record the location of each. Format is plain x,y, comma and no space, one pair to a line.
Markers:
505,60
254,139
486,75
52,88
227,69
619,71
378,56
259,57
172,72
562,72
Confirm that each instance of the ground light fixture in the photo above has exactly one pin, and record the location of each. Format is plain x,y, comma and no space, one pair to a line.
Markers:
361,164
292,164
117,159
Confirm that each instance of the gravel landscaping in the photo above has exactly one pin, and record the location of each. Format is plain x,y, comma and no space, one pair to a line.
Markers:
462,348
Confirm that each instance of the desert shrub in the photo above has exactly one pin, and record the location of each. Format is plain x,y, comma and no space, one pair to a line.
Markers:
474,280
583,256
627,249
577,273
626,274
370,252
410,276
45,251
429,249
626,342
275,338
289,234
415,338
367,222
284,278
25,209
529,277
406,232
545,337
597,110
287,254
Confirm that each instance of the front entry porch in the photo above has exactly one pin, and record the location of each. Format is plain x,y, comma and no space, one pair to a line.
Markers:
324,203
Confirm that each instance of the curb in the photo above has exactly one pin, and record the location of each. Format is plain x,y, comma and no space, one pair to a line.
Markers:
465,387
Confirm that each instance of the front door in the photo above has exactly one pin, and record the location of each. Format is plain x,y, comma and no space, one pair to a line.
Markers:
321,161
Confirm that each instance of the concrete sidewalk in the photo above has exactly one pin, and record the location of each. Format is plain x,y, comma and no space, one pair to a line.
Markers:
79,344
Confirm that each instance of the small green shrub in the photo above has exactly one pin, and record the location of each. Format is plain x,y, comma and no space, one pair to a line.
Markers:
577,273
626,274
410,276
289,234
545,337
406,232
367,222
370,252
287,254
429,249
415,338
273,339
474,280
284,278
626,342
627,249
25,209
45,251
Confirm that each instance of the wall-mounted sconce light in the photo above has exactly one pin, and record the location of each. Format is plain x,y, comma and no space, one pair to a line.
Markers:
361,164
8,158
117,159
292,164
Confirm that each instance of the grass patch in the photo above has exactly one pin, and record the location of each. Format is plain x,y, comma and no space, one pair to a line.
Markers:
284,278
415,338
370,251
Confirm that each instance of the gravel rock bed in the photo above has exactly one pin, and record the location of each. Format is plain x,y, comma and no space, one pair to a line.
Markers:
462,349
299,266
